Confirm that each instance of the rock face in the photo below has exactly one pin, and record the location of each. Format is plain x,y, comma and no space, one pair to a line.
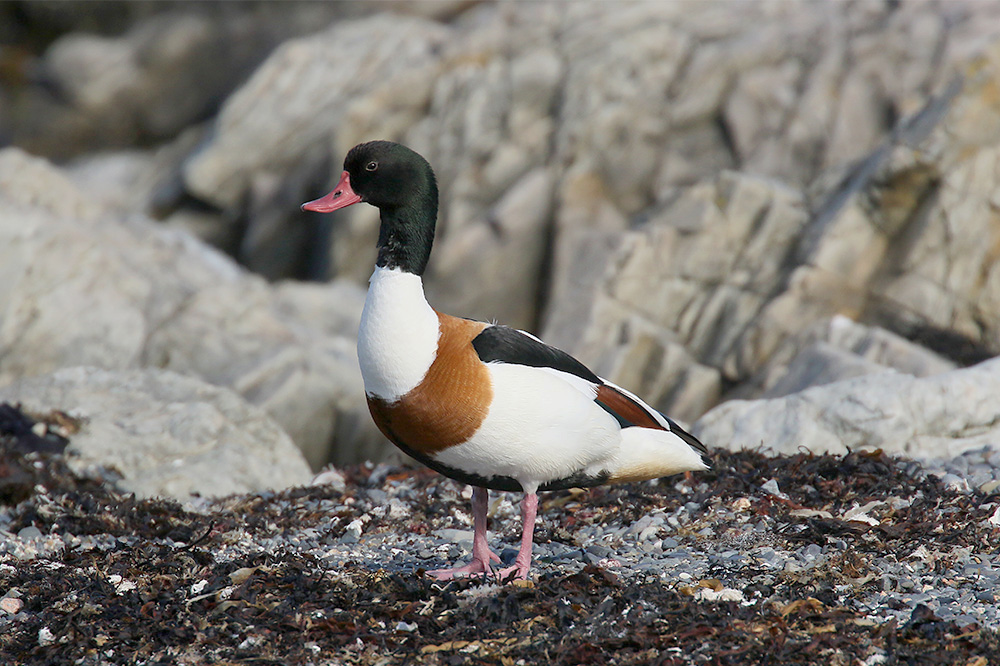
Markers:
621,106
85,286
727,200
149,82
940,416
840,348
166,434
736,270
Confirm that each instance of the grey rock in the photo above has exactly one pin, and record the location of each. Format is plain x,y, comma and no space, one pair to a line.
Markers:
702,271
505,251
84,285
165,433
701,203
150,81
817,365
895,412
840,348
386,48
955,482
30,532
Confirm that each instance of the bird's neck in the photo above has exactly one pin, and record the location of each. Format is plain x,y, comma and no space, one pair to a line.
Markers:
406,236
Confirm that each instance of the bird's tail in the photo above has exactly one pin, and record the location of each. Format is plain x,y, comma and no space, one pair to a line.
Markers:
649,454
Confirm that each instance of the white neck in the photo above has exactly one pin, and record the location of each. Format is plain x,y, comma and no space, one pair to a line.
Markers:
398,336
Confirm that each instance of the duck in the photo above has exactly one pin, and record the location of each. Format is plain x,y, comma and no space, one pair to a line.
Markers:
485,404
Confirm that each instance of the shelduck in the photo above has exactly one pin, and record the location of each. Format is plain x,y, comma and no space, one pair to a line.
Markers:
482,403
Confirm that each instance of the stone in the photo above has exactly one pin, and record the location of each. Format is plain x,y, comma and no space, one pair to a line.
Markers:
840,348
166,434
692,200
688,310
930,417
738,273
85,285
146,83
294,100
11,605
244,336
816,365
505,250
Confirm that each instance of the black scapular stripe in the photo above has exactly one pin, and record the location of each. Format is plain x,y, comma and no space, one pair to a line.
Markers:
507,345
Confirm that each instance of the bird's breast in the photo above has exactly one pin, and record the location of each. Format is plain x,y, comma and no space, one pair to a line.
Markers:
398,335
450,402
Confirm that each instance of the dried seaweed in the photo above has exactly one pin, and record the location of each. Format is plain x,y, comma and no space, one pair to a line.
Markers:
155,589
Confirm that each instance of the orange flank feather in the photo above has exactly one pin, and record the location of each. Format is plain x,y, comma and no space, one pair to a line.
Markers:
451,401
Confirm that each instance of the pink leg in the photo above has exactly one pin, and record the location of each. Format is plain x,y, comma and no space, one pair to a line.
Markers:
481,553
529,508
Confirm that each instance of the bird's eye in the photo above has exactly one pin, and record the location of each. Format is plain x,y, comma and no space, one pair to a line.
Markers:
371,166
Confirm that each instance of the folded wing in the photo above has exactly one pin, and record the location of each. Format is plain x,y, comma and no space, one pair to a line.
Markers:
502,344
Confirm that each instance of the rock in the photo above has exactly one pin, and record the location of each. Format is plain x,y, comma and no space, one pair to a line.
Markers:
243,336
839,349
506,252
676,295
83,285
682,197
149,82
737,271
942,415
675,97
165,433
293,102
819,364
332,477
145,181
11,605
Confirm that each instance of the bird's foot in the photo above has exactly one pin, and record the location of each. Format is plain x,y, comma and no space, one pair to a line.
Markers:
478,565
516,572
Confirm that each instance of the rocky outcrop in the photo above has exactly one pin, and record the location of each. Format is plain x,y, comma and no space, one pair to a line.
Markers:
84,285
841,348
738,269
621,106
165,434
168,68
940,416
701,202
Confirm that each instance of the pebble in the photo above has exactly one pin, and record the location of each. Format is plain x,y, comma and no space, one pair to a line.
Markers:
46,637
955,482
11,605
30,532
648,533
771,488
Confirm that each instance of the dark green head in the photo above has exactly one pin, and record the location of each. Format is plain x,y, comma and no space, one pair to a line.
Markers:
401,184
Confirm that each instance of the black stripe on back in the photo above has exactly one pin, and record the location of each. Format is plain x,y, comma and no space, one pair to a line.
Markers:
507,345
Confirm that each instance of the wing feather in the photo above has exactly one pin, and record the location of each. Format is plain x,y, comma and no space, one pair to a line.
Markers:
508,345
502,344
